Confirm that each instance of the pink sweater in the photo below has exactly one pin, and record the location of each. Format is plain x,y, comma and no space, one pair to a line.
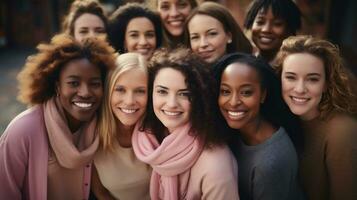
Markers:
24,158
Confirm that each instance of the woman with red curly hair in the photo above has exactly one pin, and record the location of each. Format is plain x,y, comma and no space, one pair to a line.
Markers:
46,151
317,88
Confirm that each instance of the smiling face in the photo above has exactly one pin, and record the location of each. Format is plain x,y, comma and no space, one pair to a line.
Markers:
171,98
268,31
208,38
173,14
80,90
240,96
140,37
303,82
89,25
129,98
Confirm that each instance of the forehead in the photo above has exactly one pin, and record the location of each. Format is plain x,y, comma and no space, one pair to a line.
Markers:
127,77
89,20
80,68
239,73
172,1
170,78
140,23
204,22
268,13
303,63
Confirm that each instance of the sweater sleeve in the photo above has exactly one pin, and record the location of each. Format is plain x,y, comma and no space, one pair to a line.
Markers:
13,161
220,179
341,159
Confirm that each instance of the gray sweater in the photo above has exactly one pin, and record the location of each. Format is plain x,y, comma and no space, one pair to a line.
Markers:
268,170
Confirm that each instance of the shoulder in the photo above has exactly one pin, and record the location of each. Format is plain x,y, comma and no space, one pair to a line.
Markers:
217,160
24,125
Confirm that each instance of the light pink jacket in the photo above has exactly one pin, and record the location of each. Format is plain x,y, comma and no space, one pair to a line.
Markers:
24,158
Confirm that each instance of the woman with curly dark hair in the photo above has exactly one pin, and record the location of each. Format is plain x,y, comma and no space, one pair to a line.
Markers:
46,151
86,18
135,28
178,137
317,88
250,103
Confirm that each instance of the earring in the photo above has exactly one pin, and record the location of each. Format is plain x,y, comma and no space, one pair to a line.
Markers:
229,41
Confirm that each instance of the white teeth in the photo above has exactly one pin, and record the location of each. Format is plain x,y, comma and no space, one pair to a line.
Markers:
175,23
83,105
300,100
171,113
266,40
235,114
128,111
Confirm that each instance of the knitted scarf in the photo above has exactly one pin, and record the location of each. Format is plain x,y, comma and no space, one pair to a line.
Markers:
173,157
68,154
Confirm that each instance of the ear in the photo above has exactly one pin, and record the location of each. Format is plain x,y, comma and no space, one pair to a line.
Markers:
262,98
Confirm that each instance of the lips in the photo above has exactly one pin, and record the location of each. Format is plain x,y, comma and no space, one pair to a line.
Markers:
128,111
177,23
171,113
235,115
85,105
143,51
299,100
205,54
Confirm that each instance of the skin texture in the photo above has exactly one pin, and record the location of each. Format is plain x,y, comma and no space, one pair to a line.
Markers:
268,33
140,37
171,98
208,38
303,83
80,90
129,98
173,14
89,25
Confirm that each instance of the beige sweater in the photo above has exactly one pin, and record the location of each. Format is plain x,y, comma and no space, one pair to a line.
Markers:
214,176
122,174
328,165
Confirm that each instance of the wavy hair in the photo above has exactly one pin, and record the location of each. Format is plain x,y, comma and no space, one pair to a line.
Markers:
339,95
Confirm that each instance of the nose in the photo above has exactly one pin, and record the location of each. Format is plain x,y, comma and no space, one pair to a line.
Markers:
172,101
143,40
129,98
203,42
174,11
235,99
84,91
300,87
266,27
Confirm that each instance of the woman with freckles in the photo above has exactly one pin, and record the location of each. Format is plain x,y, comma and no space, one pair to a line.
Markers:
178,137
317,88
251,106
46,152
118,174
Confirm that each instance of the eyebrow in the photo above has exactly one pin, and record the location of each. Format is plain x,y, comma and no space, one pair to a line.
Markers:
244,85
166,88
309,74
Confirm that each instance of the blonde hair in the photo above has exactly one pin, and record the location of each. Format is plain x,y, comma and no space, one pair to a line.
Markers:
339,95
107,127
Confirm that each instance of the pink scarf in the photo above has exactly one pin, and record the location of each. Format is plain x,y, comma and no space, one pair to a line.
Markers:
62,141
173,157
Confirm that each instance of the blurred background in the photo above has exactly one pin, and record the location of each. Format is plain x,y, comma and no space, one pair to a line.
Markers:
26,23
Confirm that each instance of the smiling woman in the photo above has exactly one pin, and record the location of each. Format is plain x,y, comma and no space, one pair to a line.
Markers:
46,151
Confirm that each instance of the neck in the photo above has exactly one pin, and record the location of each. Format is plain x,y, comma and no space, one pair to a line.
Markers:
269,56
73,123
257,132
124,134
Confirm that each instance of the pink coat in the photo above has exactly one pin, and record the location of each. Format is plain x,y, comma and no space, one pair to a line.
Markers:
24,158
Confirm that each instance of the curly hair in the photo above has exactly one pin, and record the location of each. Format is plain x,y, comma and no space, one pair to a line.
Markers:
239,41
120,19
38,78
107,126
284,9
339,95
199,82
80,7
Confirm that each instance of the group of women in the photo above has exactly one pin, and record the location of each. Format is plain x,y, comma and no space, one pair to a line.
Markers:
114,115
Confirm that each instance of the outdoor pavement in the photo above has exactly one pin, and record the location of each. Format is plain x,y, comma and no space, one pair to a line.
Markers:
11,62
